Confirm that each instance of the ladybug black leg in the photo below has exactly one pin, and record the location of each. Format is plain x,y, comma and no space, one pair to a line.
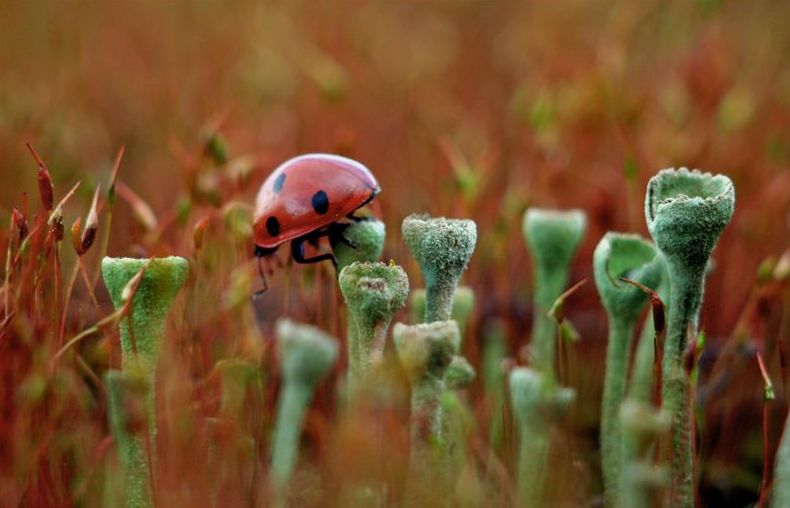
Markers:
297,252
336,234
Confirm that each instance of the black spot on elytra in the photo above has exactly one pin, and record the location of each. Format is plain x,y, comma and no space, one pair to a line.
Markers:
278,183
320,202
273,226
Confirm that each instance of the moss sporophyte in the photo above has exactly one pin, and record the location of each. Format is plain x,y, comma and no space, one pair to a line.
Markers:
620,255
686,212
552,237
157,280
307,355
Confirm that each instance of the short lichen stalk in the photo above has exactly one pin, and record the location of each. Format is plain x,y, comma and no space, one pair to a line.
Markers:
552,237
620,255
425,352
442,248
306,357
142,337
373,292
686,212
536,402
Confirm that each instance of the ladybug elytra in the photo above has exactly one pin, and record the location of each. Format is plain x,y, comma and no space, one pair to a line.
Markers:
304,198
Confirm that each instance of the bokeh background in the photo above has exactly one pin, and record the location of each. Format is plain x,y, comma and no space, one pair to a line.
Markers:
468,108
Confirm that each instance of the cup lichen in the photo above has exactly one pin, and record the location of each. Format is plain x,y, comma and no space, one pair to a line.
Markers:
373,292
442,248
552,236
686,212
620,255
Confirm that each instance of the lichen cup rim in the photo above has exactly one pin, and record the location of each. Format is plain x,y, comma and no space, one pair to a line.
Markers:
703,188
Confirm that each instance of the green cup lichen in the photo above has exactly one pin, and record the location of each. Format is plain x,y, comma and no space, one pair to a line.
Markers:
307,355
552,236
686,212
620,255
442,248
142,336
373,292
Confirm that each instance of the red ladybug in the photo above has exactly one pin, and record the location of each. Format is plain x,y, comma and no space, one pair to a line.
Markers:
303,200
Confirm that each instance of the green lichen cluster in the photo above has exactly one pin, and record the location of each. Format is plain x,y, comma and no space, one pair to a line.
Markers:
361,241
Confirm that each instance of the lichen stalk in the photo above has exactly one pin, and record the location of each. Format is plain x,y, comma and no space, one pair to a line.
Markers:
552,237
620,255
686,212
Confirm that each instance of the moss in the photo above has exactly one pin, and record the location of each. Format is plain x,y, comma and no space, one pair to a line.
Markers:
442,248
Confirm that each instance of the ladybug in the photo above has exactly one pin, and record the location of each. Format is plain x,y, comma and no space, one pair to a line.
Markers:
303,200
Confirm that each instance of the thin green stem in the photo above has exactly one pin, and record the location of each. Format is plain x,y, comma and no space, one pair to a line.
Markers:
285,447
617,350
